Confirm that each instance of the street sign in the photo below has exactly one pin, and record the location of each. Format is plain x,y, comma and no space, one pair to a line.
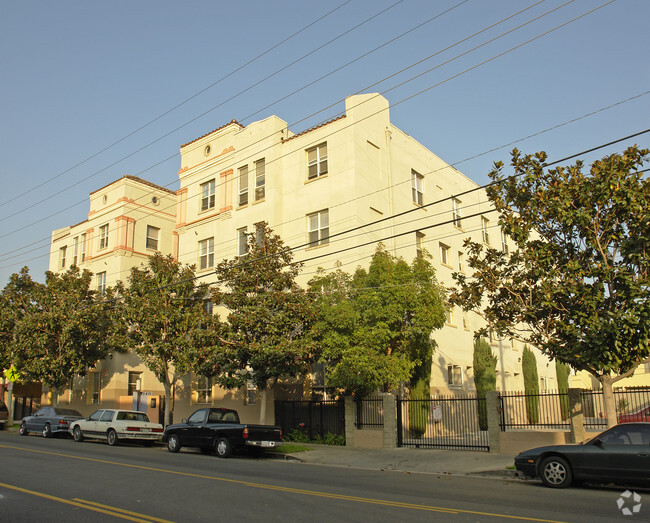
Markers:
12,374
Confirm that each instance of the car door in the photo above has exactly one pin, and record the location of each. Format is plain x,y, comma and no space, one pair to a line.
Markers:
35,423
102,425
89,426
193,432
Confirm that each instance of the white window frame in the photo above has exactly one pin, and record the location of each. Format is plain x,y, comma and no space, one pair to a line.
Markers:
417,182
454,375
504,242
203,389
95,386
419,244
103,237
318,228
444,253
259,233
242,175
62,255
132,384
317,161
242,241
83,247
450,315
461,261
75,249
206,253
208,195
260,180
251,393
153,234
101,282
456,212
485,230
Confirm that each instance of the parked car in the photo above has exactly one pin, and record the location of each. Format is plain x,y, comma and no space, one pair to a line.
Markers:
619,455
4,414
219,430
49,421
115,425
642,414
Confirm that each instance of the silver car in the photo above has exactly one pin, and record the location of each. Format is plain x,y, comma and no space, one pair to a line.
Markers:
49,421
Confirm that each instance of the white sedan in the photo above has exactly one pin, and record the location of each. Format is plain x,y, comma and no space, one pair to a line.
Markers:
115,425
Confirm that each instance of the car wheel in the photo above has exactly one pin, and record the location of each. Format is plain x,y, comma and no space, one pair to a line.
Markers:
112,439
77,435
555,472
23,429
47,431
173,443
223,447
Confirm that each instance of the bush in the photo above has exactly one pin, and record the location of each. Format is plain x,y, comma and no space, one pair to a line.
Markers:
562,371
485,376
531,384
419,408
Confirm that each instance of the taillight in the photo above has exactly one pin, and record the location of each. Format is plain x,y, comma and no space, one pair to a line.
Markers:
63,422
133,429
245,434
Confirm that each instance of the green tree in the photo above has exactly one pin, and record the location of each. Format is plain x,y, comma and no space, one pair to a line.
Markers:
531,384
374,328
562,371
268,318
485,376
576,283
164,310
61,328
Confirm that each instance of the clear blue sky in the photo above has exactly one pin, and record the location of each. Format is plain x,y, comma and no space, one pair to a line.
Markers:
78,76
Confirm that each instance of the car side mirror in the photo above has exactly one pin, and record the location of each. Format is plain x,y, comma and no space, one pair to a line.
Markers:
598,442
184,420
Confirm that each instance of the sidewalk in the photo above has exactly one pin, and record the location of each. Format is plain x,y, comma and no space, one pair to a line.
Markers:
430,461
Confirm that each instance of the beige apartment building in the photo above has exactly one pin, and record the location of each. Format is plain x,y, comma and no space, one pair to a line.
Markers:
331,192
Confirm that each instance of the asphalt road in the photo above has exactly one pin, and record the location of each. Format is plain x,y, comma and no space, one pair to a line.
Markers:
60,480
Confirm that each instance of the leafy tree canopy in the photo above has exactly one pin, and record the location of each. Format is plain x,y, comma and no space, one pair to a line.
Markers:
576,284
374,327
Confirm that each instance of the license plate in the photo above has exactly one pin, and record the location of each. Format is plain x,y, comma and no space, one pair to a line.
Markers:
145,430
268,443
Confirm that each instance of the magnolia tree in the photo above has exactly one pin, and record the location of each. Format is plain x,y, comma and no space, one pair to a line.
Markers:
576,282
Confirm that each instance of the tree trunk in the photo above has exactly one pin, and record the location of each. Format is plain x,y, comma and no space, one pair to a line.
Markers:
608,399
168,399
263,406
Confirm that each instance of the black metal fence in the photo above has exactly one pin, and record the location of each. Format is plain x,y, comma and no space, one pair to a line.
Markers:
369,413
313,418
449,422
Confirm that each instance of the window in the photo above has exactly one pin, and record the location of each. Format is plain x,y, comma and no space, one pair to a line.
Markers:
259,233
206,253
251,393
83,247
419,241
152,237
242,242
454,375
485,230
203,389
444,254
465,320
75,248
543,384
455,212
461,261
416,185
103,236
96,415
504,242
450,315
101,282
207,195
135,382
243,185
317,161
260,180
94,387
318,228
62,252
107,415
208,307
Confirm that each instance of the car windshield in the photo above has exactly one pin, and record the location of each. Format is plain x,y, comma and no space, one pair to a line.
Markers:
132,416
67,412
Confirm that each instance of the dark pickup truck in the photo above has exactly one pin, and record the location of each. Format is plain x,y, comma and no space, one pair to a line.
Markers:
219,430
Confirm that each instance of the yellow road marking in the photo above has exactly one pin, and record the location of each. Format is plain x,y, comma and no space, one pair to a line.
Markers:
123,511
104,509
290,489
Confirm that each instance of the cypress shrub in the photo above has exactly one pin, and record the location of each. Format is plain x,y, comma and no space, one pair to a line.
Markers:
531,384
419,407
485,377
562,371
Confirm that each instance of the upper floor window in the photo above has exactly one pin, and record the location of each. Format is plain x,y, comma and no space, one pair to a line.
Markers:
95,386
206,253
242,241
456,212
318,228
416,187
454,375
62,252
135,382
203,389
152,237
461,261
103,236
243,185
83,247
485,230
419,244
259,233
260,180
75,247
504,242
317,161
207,195
444,254
101,282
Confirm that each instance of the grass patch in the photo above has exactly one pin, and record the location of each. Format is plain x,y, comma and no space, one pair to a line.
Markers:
288,448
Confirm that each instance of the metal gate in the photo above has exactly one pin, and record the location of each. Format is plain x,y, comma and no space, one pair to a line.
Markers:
444,422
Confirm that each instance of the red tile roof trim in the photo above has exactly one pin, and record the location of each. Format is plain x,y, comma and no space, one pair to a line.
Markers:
314,128
139,180
231,122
